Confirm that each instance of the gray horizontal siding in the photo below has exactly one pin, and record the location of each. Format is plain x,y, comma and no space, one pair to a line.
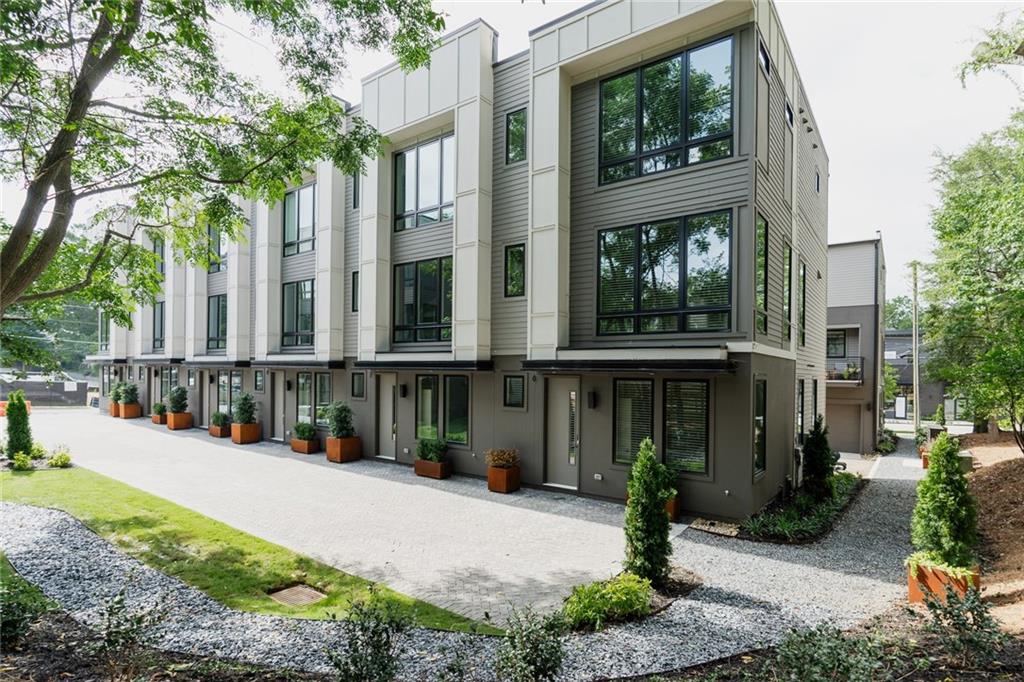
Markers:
421,242
217,282
350,339
298,267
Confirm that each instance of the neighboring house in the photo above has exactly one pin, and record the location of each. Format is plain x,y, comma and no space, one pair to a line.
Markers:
618,233
855,396
899,353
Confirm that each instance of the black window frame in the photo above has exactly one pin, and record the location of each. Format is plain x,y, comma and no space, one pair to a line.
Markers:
684,145
504,391
103,332
440,326
764,58
158,247
361,394
355,191
761,384
259,381
682,311
355,292
401,215
615,416
706,473
789,115
435,412
817,181
299,245
218,342
761,274
218,250
508,250
299,338
802,302
830,334
299,376
526,123
318,406
787,293
801,399
814,398
158,341
445,395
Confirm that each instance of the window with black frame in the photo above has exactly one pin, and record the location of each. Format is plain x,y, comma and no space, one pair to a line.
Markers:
633,418
761,274
787,292
515,136
423,301
297,307
158,325
515,270
299,220
304,397
514,394
427,397
686,426
802,303
760,435
355,291
217,322
835,343
158,251
665,115
218,242
104,331
456,409
666,277
322,398
425,184
358,385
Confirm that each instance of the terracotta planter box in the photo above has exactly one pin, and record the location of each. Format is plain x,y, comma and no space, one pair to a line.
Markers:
115,409
935,580
344,449
430,469
131,411
503,480
924,460
220,431
674,508
179,420
160,418
245,433
305,447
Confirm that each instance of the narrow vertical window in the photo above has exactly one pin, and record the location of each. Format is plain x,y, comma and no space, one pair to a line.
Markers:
298,314
514,393
304,397
355,191
708,271
358,385
158,251
802,303
217,322
323,397
355,291
618,127
814,399
709,102
104,331
426,407
236,386
686,426
787,292
158,325
456,409
800,411
224,391
760,434
761,274
218,249
634,417
299,220
515,270
515,136
258,381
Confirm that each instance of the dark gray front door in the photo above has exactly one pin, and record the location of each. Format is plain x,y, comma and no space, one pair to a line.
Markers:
562,451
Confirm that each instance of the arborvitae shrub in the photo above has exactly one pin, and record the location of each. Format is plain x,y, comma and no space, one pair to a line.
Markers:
339,418
129,394
177,399
647,525
244,410
19,433
944,525
818,462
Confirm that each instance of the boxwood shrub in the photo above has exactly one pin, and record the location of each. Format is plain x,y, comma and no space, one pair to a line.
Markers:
592,606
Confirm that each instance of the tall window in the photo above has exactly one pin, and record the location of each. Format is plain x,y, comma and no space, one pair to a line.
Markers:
304,397
515,136
158,250
761,274
671,113
105,380
802,303
760,435
323,397
423,301
814,399
217,322
104,331
218,250
355,291
299,220
787,292
456,409
686,426
355,191
298,314
800,411
167,381
671,276
358,385
515,270
634,417
835,343
224,391
426,407
514,394
158,325
425,184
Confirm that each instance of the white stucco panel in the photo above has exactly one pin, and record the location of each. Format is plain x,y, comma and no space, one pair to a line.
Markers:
545,51
609,23
444,90
572,39
417,94
391,99
648,12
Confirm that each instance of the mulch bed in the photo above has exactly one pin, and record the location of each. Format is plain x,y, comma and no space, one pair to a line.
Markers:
680,583
999,491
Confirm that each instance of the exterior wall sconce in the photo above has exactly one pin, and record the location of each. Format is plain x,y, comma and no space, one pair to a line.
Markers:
592,399
288,384
403,390
210,378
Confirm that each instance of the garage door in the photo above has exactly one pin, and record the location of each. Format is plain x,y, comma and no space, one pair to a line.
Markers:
843,426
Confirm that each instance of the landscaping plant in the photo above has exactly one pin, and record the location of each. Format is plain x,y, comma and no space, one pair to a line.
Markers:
160,409
944,524
219,419
431,449
60,459
592,606
532,650
21,462
920,436
373,634
38,451
129,394
244,410
21,604
965,626
124,634
339,419
940,415
19,433
818,461
647,525
115,392
304,431
502,458
803,518
825,654
177,400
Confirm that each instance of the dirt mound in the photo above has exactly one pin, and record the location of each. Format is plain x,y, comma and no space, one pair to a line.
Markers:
999,490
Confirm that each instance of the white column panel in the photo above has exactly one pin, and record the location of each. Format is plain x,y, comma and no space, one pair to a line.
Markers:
238,296
329,290
195,311
375,257
268,280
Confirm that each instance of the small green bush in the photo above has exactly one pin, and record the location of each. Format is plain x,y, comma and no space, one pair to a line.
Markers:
373,634
532,650
940,414
20,606
60,459
19,433
244,410
647,525
124,635
219,419
38,451
177,400
965,626
888,441
21,462
920,436
115,392
824,654
159,409
339,418
592,606
431,449
803,518
818,462
129,394
304,431
944,524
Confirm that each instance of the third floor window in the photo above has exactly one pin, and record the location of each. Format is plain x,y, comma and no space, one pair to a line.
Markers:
423,301
158,249
299,220
425,184
298,314
218,250
158,325
217,322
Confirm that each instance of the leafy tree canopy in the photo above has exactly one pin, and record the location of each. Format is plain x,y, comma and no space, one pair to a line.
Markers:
1002,47
898,313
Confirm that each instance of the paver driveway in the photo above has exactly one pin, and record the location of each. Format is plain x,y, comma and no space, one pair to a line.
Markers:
450,542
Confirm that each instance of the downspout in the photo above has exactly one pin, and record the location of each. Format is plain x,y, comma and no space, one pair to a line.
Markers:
878,361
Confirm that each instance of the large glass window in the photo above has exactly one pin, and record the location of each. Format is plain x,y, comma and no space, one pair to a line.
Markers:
158,250
800,411
104,331
515,136
686,426
426,407
423,301
670,276
760,436
323,398
299,220
217,322
218,250
515,270
634,417
787,292
158,325
425,184
298,314
224,391
456,409
304,397
835,343
761,274
673,112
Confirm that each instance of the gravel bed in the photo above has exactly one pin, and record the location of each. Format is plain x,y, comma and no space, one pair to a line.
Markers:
753,593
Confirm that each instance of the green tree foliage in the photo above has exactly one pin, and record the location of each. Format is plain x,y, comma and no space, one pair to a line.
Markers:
899,313
19,433
890,378
999,49
131,104
818,462
944,525
647,525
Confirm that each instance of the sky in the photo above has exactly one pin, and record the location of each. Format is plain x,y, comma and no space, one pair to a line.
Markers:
880,76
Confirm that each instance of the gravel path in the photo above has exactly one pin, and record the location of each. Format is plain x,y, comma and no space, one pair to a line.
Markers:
753,593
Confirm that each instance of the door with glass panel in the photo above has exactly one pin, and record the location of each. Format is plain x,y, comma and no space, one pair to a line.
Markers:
277,389
387,416
562,451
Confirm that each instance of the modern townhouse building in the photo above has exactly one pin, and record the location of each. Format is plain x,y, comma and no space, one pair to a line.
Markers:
855,345
899,353
617,233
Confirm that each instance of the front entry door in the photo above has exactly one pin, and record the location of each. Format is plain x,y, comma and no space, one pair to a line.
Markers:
277,397
387,416
202,388
562,451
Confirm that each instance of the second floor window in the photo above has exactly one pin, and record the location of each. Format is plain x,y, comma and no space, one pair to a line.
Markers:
787,292
104,331
218,250
299,220
355,291
158,249
761,274
671,276
515,270
298,314
217,322
835,343
802,303
423,301
425,184
515,136
158,325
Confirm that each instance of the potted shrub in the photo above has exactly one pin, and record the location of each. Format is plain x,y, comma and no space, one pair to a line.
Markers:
943,528
343,445
502,470
244,427
115,399
177,404
304,439
220,425
130,408
430,461
159,413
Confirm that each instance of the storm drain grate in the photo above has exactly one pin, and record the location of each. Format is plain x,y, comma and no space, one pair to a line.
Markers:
297,595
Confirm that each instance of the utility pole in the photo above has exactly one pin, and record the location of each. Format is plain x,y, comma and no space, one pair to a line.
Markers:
917,409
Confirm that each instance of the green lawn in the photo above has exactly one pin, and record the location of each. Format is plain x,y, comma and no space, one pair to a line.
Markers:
235,568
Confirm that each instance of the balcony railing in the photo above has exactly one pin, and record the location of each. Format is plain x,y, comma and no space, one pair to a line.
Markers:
844,369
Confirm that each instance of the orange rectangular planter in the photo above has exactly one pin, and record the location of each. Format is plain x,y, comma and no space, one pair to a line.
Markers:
924,460
344,449
305,447
179,420
220,431
428,469
503,479
131,411
245,433
115,409
160,418
934,580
